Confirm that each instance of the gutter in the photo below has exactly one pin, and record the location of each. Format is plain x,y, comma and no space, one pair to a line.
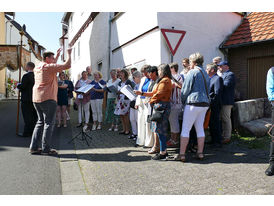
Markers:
245,44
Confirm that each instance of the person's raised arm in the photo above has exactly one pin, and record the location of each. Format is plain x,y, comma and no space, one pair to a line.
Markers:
57,55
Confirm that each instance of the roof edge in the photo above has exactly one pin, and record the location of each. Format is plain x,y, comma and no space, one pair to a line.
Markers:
245,44
66,17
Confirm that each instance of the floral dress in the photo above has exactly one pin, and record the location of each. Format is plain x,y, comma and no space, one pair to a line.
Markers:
123,103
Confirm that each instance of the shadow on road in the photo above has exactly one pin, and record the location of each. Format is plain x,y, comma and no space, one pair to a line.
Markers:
110,157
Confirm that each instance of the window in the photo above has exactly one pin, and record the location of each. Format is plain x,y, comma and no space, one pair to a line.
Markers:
78,49
100,65
70,22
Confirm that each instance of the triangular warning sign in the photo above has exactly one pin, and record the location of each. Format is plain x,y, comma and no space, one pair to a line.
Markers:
173,38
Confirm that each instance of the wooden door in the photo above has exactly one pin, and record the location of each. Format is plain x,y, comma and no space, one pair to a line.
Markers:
257,71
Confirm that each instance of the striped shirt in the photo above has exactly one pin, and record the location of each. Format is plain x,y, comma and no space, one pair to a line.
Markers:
46,85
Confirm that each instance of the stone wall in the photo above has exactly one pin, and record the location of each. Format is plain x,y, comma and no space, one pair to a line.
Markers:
248,110
252,116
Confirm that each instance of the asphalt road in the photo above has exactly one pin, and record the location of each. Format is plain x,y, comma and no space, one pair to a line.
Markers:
20,172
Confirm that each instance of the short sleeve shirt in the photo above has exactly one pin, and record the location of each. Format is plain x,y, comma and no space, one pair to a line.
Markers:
97,85
46,85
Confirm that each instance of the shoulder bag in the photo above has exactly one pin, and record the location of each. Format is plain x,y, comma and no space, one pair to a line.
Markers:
208,112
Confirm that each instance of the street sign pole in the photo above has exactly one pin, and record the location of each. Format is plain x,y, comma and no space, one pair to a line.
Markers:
20,65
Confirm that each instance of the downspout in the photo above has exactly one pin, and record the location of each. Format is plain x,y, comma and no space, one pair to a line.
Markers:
109,43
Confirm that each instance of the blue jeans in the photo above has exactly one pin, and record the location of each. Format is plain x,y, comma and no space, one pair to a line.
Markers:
162,140
46,112
162,127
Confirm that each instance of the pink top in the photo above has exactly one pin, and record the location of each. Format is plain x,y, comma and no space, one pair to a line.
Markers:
46,85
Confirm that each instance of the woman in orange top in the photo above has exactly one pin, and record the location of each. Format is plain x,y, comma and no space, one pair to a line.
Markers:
161,100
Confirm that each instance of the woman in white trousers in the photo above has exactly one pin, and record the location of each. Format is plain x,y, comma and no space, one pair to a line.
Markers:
83,100
96,101
144,132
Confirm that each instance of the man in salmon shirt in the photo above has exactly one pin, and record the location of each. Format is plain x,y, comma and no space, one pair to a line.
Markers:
45,101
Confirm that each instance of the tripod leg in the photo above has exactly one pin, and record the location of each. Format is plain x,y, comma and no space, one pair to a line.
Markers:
74,137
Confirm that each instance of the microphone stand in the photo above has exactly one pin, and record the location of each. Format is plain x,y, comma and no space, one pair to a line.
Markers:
82,135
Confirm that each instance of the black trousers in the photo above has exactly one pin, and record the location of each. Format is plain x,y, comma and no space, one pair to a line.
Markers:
29,116
214,125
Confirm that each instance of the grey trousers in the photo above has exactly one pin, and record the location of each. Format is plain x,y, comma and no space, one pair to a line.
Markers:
226,121
46,112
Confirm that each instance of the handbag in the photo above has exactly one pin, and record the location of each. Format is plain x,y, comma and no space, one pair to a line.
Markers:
157,116
157,113
207,119
208,112
75,106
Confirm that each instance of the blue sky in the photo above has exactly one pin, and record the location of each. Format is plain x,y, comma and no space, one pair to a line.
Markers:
44,27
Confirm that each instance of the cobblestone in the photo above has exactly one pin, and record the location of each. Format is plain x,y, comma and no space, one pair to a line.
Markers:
113,165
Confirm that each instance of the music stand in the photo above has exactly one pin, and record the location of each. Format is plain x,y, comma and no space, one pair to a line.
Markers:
84,136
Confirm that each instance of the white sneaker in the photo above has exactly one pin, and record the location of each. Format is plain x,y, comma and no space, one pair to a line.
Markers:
93,127
99,127
68,117
116,129
110,129
85,128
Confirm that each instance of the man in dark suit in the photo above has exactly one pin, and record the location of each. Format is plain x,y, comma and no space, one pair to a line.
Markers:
227,99
215,94
28,111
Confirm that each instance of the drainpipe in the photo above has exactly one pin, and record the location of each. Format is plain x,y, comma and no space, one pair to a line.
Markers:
109,42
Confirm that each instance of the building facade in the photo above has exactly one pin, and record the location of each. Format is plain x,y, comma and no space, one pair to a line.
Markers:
31,51
2,41
250,51
124,40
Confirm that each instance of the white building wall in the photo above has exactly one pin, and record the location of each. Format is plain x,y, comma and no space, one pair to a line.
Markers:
204,33
99,44
82,60
77,19
145,50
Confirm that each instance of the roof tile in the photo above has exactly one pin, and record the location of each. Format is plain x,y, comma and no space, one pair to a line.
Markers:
257,26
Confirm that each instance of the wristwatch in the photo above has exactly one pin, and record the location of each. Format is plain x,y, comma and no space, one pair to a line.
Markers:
142,93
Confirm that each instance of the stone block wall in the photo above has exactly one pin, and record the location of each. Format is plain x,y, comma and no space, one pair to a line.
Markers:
252,116
248,110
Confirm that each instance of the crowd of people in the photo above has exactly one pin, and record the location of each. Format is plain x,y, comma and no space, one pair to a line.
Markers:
169,110
181,100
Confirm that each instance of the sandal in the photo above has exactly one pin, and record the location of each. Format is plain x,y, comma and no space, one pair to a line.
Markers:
200,156
154,150
172,143
38,151
50,152
181,157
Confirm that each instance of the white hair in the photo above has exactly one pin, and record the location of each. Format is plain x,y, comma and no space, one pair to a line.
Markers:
197,58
